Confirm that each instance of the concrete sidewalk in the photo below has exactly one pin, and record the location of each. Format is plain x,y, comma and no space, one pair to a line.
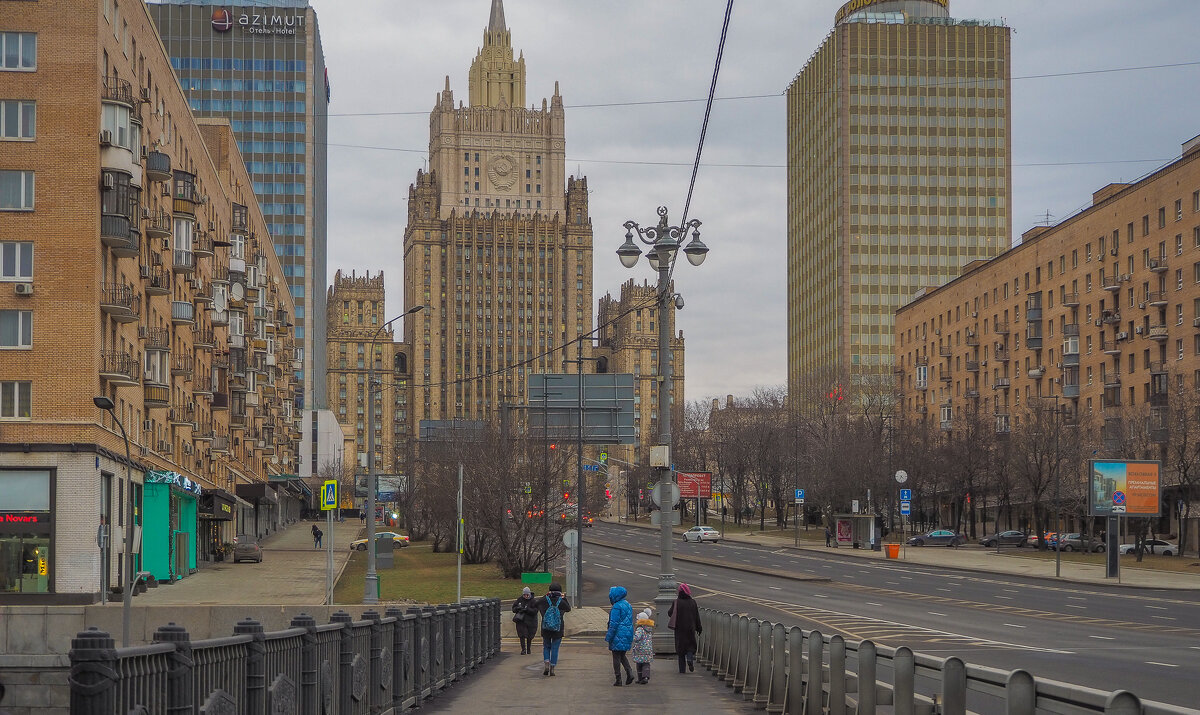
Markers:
583,683
975,558
292,572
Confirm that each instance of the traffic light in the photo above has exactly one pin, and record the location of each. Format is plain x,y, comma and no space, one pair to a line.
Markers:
566,496
641,493
553,447
608,494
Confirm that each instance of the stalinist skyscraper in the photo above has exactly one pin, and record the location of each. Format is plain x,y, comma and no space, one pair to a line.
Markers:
498,244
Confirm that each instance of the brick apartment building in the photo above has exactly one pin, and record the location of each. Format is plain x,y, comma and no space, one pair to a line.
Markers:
135,265
1101,311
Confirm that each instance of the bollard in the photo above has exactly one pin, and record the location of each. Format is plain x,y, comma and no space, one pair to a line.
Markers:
762,685
94,673
837,675
775,693
954,687
794,700
814,694
904,675
1122,702
867,662
1020,693
310,686
345,661
179,667
375,672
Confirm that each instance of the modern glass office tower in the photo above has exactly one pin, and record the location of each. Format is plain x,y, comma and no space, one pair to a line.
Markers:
898,176
262,67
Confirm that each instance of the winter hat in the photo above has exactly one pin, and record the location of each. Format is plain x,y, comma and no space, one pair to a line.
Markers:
556,587
683,589
644,615
526,592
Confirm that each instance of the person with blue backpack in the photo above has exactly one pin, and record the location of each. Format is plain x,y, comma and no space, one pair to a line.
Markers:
552,606
620,633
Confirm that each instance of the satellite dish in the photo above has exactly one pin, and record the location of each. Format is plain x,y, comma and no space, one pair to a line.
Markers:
219,302
237,291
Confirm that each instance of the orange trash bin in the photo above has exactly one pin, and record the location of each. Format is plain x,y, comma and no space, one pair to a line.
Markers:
893,550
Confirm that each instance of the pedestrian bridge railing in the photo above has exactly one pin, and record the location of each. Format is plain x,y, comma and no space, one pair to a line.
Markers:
797,672
346,667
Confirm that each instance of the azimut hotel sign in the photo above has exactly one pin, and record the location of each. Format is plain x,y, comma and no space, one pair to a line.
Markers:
255,22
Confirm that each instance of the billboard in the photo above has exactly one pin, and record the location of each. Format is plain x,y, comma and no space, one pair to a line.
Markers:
694,485
1124,488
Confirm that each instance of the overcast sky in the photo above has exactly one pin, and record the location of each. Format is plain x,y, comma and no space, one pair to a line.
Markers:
1071,134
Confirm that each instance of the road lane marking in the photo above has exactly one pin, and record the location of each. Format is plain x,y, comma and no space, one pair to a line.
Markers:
935,613
1006,598
819,595
1072,605
734,580
944,589
1103,638
1014,625
1163,618
879,605
893,583
907,577
775,588
1076,598
1158,608
1013,590
625,571
1165,665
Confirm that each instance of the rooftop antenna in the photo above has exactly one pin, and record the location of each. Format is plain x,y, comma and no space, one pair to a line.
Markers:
1047,218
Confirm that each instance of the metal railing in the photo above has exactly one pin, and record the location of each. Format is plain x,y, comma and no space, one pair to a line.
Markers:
789,670
346,667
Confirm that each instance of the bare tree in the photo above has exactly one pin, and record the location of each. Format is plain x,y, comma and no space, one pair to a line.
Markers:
1182,424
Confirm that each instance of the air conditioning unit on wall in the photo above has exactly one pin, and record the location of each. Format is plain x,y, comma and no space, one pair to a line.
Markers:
23,288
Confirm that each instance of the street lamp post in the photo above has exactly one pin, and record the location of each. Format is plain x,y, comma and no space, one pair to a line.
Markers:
1057,489
127,584
664,241
371,584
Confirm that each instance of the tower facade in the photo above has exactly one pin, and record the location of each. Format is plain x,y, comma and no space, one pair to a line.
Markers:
898,176
261,66
498,244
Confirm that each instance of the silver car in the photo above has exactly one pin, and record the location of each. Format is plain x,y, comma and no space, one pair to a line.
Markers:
702,533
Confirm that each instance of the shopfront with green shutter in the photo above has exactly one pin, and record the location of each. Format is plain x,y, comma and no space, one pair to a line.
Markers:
169,525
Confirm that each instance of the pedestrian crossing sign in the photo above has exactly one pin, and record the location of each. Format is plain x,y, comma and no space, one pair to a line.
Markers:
329,495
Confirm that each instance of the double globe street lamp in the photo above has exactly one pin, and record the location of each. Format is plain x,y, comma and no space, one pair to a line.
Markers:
664,241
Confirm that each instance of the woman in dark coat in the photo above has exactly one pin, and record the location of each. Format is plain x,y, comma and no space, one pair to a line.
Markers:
685,621
526,619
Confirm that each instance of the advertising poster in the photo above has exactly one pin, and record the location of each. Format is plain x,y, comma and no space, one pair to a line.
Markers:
1124,488
845,532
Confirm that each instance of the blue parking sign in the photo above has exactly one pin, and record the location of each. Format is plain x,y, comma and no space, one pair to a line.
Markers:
799,493
905,495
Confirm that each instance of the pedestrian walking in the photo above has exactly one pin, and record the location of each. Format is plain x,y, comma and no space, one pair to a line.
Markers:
525,615
362,517
685,621
552,606
317,534
828,537
620,633
642,651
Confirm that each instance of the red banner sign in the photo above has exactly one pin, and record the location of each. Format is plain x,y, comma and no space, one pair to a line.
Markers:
694,485
24,518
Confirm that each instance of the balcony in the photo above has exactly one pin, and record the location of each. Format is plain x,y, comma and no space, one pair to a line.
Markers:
120,235
183,313
1109,317
157,224
1070,330
1033,342
1001,355
120,302
1071,300
220,275
113,89
1037,373
155,339
1070,359
972,366
1003,425
219,401
158,166
972,340
1111,381
202,386
1157,298
920,361
220,444
156,395
922,385
946,377
1158,265
944,351
202,293
202,245
947,425
119,368
1110,347
183,260
183,415
1001,327
204,339
972,393
203,433
1113,433
183,365
1158,332
1070,391
1001,383
237,420
1033,312
218,317
157,280
1110,282
185,195
239,223
1158,399
252,399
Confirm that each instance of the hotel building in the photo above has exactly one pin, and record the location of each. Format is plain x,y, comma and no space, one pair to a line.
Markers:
261,66
898,176
136,266
498,245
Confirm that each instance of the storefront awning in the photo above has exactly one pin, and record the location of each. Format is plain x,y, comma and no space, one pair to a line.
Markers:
216,505
257,493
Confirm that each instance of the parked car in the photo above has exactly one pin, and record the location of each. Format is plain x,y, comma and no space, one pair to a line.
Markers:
702,533
938,537
1076,542
399,541
1005,538
246,548
1033,540
1153,546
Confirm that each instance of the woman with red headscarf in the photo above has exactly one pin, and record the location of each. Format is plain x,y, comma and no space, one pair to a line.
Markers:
685,621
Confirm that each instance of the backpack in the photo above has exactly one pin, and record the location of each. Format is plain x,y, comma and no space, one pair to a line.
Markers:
552,618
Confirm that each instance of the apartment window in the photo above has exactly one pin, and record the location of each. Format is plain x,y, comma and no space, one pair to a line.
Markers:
1162,217
18,50
16,398
16,190
1179,244
1178,279
1146,225
1179,315
1179,349
16,260
16,328
17,119
1178,209
1075,258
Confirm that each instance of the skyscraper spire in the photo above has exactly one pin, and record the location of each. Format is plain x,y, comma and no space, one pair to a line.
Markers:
496,21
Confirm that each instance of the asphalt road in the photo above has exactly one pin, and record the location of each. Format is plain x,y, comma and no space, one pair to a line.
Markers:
1141,640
